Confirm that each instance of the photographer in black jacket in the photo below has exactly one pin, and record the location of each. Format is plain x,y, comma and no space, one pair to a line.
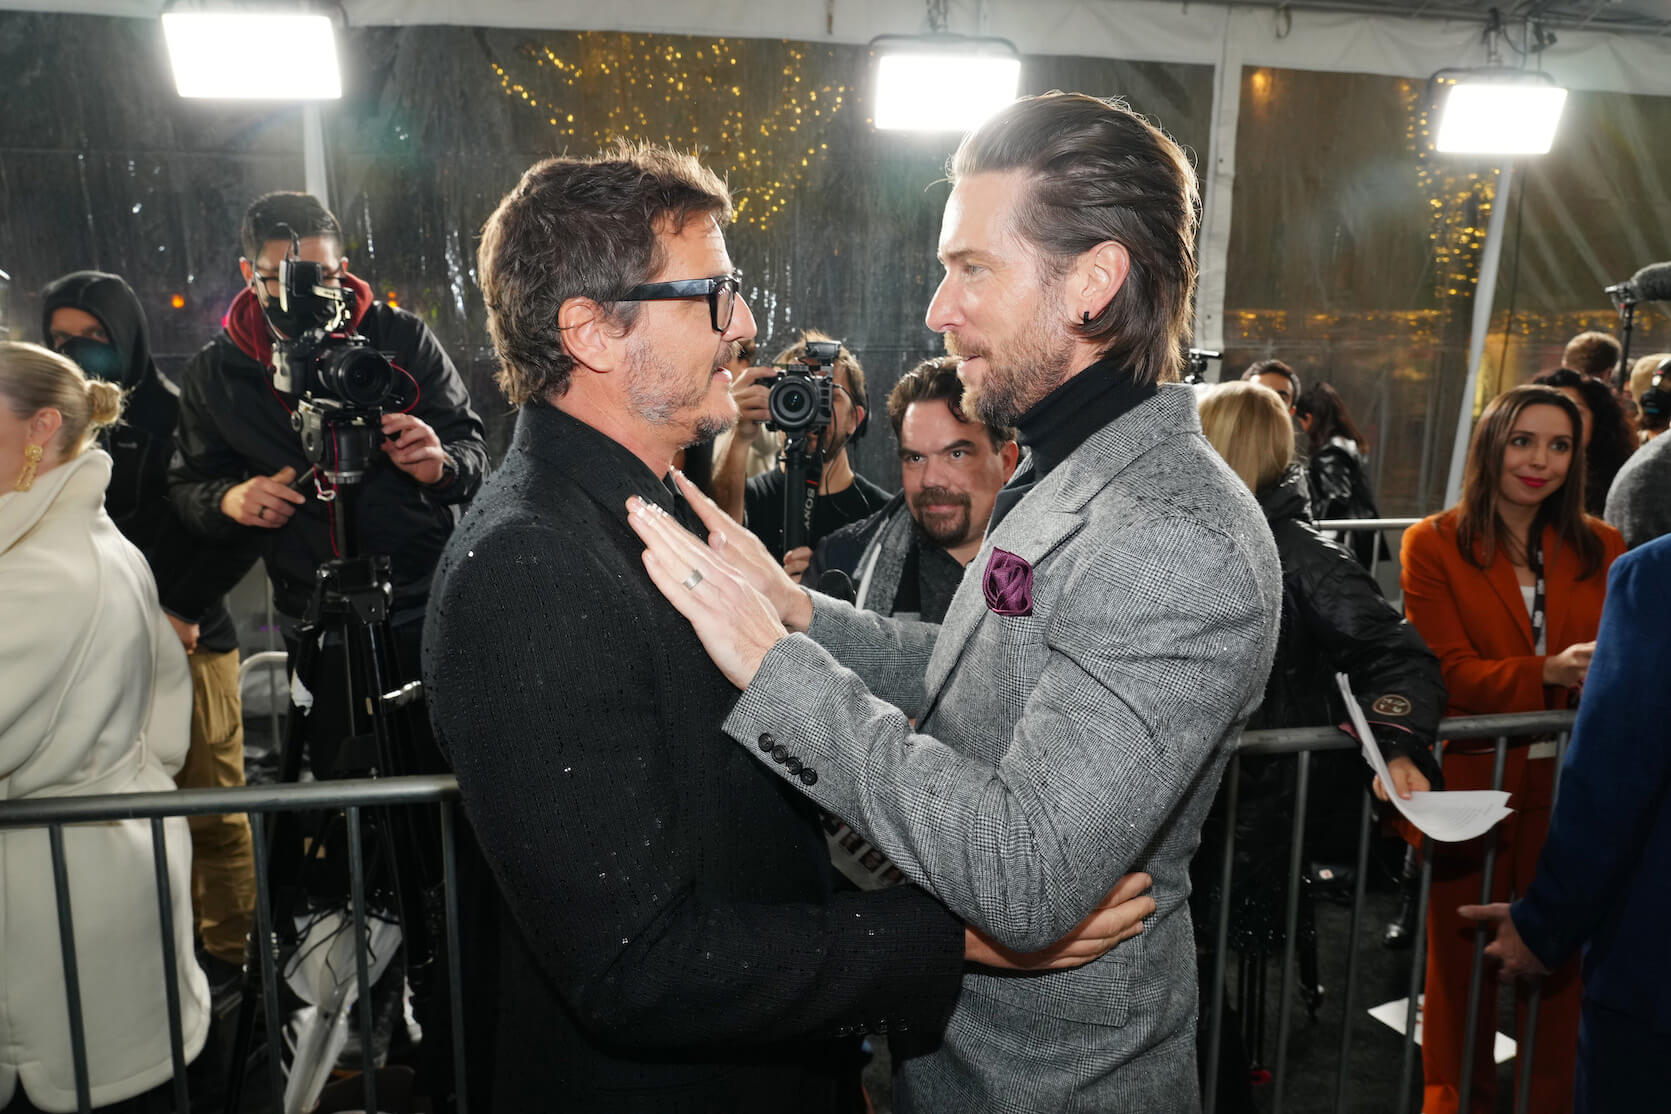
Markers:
238,457
96,320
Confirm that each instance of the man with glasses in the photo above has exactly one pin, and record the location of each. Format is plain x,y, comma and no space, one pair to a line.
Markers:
662,933
239,470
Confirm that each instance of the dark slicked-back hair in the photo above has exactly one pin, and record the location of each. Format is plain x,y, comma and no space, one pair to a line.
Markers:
1273,367
935,380
581,228
1101,172
273,216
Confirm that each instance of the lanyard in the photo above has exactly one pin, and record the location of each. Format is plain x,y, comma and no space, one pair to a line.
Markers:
1534,560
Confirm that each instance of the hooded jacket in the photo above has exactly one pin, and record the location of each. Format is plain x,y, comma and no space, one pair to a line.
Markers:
193,576
235,425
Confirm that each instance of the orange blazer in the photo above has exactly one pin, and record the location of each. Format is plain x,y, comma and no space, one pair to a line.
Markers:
1475,619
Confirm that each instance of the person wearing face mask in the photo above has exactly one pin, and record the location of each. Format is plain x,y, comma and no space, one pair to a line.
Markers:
239,469
1506,587
96,320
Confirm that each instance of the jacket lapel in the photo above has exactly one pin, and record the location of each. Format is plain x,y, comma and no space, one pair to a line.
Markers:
1052,512
1507,587
1559,575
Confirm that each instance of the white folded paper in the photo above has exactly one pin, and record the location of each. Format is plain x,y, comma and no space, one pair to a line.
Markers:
1449,817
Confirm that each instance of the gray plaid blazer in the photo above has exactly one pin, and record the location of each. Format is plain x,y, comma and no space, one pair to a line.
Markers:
1052,753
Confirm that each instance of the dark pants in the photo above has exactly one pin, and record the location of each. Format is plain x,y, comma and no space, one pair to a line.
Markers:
1623,1065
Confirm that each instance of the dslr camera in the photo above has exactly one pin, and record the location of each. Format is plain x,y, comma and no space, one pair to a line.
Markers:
801,398
324,361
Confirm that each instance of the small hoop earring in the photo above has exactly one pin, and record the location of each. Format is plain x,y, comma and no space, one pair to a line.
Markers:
31,461
1085,317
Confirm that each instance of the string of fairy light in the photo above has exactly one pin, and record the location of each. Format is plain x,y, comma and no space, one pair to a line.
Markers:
689,94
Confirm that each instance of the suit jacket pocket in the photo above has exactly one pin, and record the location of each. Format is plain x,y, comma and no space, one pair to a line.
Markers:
1098,993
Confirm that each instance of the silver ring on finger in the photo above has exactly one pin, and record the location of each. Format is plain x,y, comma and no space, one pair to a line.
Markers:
690,582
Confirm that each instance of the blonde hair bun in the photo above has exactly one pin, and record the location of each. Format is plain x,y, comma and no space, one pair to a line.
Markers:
104,403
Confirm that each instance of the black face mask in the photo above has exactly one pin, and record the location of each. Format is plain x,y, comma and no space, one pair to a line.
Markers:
98,359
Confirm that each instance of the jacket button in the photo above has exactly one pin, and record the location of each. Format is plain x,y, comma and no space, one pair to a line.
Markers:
767,741
809,776
779,753
793,765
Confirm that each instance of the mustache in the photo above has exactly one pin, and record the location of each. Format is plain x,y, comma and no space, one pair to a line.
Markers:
940,495
728,352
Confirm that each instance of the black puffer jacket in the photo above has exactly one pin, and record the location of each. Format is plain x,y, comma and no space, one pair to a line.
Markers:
233,425
193,576
1339,489
1335,620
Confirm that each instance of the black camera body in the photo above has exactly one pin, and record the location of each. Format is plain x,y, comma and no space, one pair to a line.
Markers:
325,360
801,398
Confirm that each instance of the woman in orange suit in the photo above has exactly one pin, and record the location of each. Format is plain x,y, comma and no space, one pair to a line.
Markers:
1506,587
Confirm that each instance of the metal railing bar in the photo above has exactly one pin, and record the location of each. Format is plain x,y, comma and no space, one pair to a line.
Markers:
1221,931
170,961
1365,523
1296,863
1476,974
357,895
455,976
1359,891
406,790
72,975
269,968
1292,740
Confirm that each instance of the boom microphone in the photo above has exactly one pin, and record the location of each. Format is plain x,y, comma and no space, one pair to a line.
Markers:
1651,284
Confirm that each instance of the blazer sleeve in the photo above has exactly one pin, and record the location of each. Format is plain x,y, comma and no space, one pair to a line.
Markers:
553,739
1437,606
1617,772
889,655
1144,677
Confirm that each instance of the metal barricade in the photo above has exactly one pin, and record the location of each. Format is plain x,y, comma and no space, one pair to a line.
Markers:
259,801
1303,742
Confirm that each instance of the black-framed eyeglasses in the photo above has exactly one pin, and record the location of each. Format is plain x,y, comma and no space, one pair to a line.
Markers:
721,293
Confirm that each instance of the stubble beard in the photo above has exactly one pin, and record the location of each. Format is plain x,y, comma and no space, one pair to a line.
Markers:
657,395
1029,367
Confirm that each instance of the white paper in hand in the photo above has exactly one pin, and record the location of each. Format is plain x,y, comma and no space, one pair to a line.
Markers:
1449,817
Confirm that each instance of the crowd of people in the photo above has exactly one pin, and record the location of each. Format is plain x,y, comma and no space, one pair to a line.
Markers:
942,773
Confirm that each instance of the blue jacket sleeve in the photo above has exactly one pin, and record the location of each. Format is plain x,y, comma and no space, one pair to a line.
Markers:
1617,770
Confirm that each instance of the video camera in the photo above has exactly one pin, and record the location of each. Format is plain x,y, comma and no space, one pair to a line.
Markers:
1195,364
801,398
324,360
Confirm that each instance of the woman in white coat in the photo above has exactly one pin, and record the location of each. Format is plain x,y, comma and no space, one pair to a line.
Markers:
95,698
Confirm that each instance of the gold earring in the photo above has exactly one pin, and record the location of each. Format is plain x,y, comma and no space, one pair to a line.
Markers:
31,460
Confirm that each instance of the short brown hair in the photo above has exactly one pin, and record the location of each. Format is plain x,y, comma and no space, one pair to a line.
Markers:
1101,172
1593,354
935,380
581,228
845,361
1247,424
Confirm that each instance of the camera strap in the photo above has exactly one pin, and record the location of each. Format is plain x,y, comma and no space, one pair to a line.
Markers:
1534,561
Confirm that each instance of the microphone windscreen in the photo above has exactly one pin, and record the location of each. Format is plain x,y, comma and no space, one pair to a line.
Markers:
1653,283
837,585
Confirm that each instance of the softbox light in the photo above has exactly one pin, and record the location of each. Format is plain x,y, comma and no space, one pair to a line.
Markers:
942,82
1501,112
212,55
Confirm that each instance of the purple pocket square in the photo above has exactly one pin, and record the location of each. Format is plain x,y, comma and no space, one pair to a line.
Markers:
1008,584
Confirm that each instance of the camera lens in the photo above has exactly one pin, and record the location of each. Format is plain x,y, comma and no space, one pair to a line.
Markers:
359,376
791,404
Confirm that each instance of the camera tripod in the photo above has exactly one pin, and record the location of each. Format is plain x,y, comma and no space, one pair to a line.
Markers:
374,735
803,466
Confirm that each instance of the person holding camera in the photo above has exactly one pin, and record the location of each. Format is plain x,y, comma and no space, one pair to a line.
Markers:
844,496
239,464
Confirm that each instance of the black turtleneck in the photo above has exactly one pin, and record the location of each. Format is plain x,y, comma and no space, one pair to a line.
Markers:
1062,420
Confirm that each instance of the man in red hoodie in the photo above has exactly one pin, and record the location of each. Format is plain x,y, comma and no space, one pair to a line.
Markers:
238,457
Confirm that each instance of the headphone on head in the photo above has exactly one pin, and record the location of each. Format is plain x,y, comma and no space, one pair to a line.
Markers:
1656,400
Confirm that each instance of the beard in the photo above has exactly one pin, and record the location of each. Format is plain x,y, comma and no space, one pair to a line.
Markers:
663,396
1020,370
944,529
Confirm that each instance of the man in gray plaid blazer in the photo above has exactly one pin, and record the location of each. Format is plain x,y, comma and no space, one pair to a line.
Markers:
1071,719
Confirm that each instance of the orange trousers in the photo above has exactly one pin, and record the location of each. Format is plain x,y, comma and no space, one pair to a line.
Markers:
1458,875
